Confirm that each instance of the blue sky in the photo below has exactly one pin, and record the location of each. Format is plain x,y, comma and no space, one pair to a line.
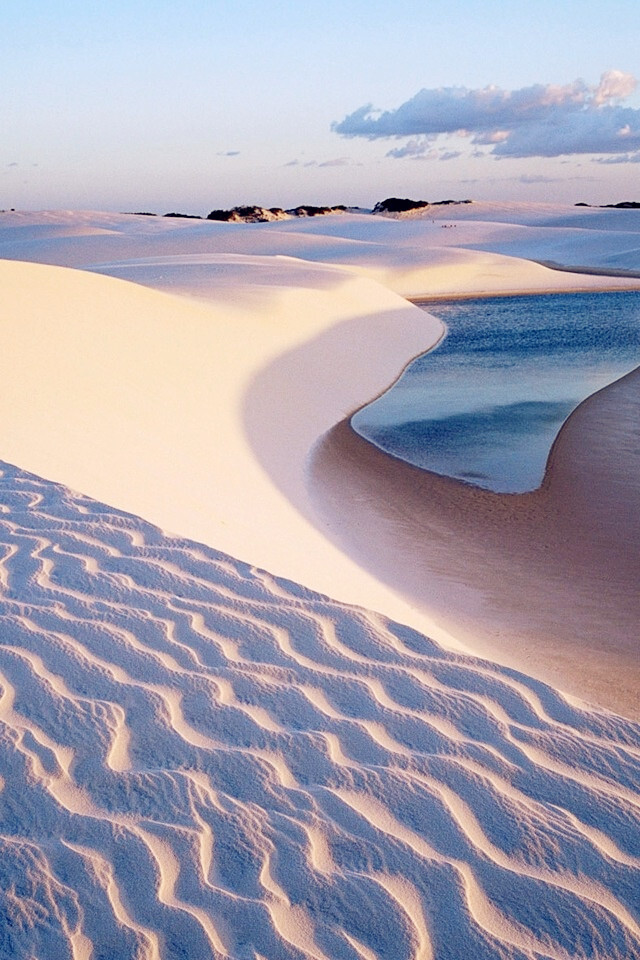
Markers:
192,105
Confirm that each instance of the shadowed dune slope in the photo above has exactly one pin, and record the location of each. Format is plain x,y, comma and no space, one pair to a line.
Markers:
199,760
545,581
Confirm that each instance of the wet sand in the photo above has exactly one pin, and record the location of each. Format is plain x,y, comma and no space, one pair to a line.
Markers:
546,582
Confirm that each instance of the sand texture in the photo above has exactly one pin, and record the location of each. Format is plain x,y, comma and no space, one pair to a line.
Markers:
202,759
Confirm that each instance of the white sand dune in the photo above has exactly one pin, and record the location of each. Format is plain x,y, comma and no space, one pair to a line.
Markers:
415,257
208,426
201,759
200,416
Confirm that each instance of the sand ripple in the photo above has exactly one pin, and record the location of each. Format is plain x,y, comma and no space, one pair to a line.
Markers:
200,760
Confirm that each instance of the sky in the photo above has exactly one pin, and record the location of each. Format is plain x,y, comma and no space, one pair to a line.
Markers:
191,105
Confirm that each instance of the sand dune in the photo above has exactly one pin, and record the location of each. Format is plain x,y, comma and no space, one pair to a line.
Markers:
202,760
200,415
491,249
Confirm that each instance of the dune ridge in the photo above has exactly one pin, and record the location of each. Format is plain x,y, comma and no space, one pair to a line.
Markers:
202,760
199,758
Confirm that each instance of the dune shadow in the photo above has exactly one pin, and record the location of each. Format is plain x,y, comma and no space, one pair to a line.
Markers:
544,581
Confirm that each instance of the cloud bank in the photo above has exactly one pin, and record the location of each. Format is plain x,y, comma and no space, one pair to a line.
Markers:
537,121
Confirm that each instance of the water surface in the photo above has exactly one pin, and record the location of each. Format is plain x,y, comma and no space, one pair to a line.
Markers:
486,404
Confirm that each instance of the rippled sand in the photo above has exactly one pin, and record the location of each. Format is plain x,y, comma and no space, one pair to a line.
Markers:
201,760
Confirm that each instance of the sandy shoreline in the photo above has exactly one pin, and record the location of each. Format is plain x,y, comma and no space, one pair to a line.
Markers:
591,271
545,582
435,298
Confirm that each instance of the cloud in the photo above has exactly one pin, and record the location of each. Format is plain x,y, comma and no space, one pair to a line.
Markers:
537,121
422,149
614,85
335,162
538,178
412,148
624,158
530,179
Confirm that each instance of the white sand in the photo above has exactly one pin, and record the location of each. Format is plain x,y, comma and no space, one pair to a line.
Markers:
200,416
199,759
205,426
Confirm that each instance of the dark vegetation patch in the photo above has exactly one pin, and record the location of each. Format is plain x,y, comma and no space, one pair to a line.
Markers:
184,216
624,205
308,210
253,213
404,205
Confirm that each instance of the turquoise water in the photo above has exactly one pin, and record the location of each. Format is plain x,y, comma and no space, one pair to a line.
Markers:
487,403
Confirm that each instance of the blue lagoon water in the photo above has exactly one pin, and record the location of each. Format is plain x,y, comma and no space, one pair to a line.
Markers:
486,404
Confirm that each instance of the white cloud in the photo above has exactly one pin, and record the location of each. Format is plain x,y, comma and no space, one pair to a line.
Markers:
412,148
614,85
537,121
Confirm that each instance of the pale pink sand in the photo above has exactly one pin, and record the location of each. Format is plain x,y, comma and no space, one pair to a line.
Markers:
547,581
176,409
201,759
202,413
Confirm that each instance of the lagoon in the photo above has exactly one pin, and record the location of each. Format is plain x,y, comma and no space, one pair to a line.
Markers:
485,405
